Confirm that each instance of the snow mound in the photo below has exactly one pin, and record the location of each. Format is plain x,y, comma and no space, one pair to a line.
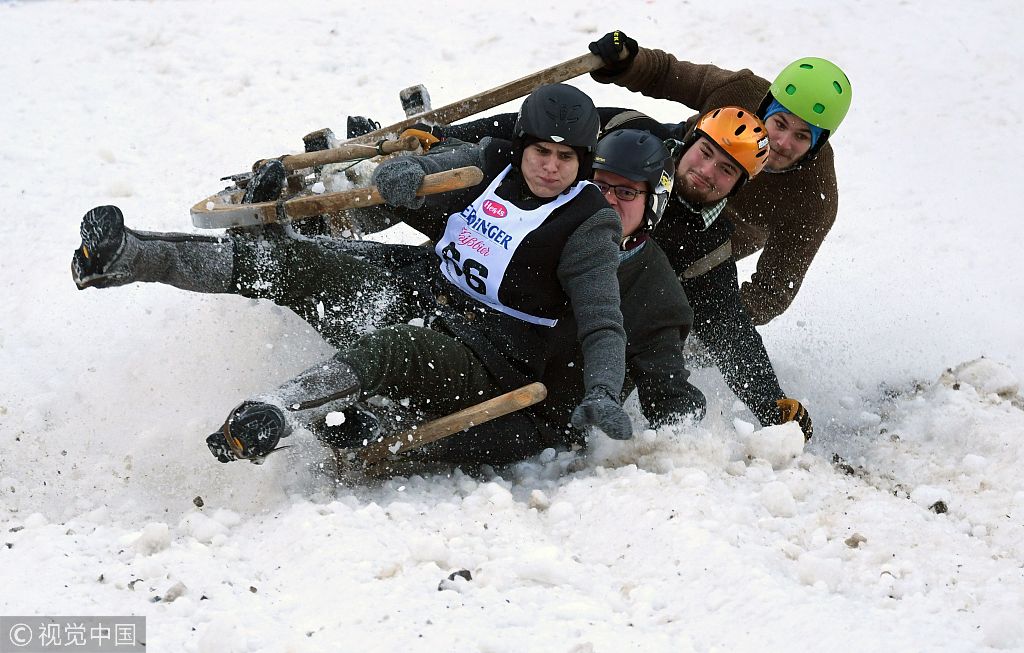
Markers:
985,375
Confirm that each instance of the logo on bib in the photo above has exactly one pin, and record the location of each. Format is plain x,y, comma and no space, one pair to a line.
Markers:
494,209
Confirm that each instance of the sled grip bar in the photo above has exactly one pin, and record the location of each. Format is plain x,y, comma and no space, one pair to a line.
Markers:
377,452
491,98
343,153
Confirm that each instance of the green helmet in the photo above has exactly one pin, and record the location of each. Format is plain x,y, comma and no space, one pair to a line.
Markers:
814,89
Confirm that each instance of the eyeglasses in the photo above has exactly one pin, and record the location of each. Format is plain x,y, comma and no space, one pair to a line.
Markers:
624,193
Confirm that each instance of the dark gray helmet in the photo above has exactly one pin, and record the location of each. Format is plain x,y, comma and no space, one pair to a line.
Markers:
558,113
639,156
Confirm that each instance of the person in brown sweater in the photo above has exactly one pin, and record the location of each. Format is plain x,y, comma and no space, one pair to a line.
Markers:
786,212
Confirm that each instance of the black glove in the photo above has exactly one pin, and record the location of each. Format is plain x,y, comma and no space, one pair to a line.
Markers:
792,410
600,408
266,183
397,181
251,432
610,48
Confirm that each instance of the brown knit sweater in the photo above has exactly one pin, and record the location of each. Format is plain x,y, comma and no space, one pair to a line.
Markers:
787,214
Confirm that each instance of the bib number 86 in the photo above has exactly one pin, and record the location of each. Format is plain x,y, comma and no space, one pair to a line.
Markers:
474,271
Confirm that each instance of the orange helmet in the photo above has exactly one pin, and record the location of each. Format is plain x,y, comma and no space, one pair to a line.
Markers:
740,134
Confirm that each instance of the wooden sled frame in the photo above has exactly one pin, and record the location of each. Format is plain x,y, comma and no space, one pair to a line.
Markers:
223,210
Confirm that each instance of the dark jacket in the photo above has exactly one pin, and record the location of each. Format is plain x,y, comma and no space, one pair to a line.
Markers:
656,316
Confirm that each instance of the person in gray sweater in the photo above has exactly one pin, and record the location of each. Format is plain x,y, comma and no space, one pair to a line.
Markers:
532,244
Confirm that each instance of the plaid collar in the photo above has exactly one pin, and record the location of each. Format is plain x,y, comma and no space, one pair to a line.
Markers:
631,247
708,214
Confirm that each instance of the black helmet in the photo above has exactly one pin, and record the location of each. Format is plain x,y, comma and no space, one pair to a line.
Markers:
639,156
558,113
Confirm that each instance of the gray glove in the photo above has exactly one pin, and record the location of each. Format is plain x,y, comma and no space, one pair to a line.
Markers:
600,408
397,181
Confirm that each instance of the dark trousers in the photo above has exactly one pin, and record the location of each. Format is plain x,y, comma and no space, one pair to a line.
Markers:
342,288
360,297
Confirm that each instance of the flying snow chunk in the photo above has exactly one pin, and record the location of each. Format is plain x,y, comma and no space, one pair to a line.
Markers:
984,375
779,445
335,418
401,234
539,500
744,428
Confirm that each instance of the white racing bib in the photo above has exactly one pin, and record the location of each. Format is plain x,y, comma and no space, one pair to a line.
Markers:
479,241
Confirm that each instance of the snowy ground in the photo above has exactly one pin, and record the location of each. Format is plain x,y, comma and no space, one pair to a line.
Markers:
696,539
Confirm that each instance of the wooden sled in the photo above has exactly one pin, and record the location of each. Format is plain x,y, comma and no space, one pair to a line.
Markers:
224,210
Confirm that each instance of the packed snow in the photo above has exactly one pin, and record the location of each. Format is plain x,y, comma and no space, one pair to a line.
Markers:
899,527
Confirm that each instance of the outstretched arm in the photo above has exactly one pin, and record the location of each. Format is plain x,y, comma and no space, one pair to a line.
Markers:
662,383
658,74
801,225
587,272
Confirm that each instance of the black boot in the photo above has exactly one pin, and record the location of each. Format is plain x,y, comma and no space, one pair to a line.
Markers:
113,255
96,261
360,125
415,100
321,139
266,183
251,432
253,429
